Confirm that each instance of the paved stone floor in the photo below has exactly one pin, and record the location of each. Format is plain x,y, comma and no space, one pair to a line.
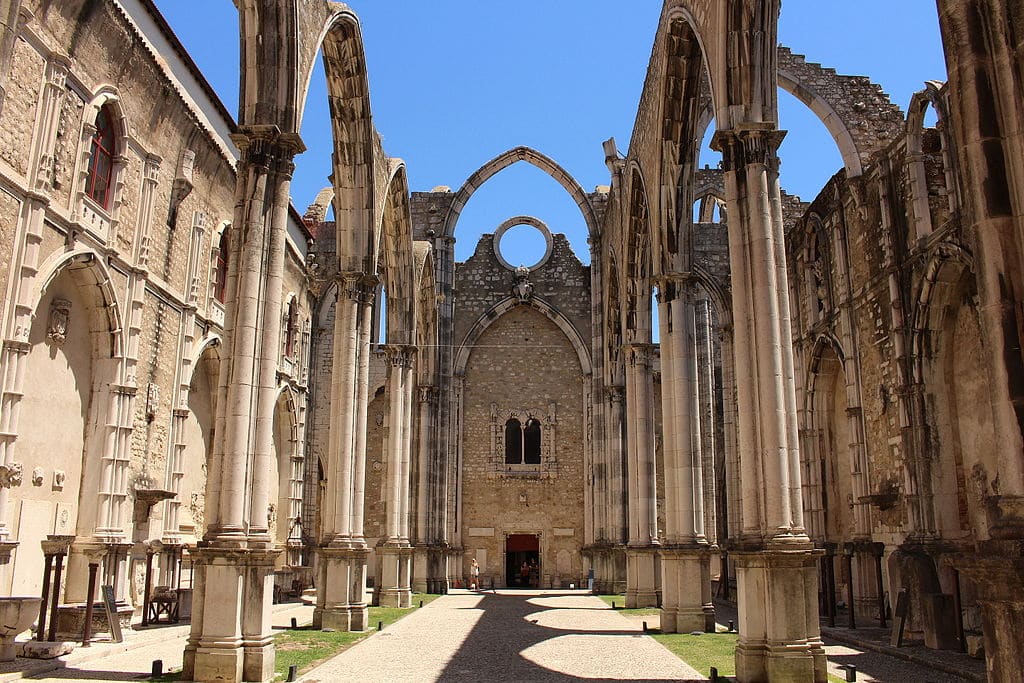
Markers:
503,636
508,636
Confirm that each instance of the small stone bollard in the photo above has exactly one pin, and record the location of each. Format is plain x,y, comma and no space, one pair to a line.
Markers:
645,627
732,626
158,668
421,604
613,604
295,623
293,672
380,625
851,673
714,675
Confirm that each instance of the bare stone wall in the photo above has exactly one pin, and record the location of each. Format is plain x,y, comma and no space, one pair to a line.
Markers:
524,362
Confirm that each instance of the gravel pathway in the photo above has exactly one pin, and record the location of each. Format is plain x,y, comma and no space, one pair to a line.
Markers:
508,636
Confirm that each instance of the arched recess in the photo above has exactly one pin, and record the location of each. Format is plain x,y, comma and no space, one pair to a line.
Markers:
826,456
614,363
285,513
503,161
639,271
932,96
426,315
73,360
186,512
393,257
959,466
504,306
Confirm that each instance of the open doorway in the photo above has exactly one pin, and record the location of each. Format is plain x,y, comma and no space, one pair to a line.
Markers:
522,561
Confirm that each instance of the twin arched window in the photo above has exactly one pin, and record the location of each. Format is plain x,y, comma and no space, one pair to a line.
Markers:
522,442
101,162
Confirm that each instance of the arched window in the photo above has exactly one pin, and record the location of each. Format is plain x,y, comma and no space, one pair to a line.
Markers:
101,161
531,442
291,323
513,442
220,285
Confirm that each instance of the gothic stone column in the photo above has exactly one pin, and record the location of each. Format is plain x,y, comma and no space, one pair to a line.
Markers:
641,554
686,556
775,560
341,577
231,637
394,555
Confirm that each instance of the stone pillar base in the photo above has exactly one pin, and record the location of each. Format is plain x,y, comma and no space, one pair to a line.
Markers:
341,589
231,631
686,590
394,590
421,569
641,577
999,581
777,598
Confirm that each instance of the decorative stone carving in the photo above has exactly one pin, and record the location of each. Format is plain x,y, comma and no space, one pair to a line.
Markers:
59,477
11,474
522,289
37,476
60,317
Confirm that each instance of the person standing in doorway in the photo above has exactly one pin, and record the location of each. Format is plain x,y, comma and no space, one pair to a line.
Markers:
474,575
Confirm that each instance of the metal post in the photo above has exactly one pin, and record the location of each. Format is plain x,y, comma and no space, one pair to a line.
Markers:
149,587
90,598
41,632
55,598
958,607
723,588
830,577
879,584
848,560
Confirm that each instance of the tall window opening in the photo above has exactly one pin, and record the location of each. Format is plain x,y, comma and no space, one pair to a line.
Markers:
101,161
291,334
513,442
531,442
220,286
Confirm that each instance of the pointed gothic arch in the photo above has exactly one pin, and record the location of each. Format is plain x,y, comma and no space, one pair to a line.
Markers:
503,161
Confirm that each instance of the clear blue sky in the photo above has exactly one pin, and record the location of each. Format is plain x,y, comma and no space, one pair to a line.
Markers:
456,82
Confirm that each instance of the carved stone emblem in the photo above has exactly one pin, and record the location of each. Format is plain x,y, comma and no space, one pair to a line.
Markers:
37,476
59,477
11,474
60,316
522,289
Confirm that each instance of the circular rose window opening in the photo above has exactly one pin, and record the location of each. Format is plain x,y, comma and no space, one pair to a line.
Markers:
518,243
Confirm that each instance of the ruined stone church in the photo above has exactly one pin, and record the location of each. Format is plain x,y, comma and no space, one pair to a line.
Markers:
808,406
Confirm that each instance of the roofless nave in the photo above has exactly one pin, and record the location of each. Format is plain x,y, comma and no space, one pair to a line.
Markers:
830,415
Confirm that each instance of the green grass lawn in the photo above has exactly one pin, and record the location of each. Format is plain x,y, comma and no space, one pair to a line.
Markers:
306,648
620,602
701,652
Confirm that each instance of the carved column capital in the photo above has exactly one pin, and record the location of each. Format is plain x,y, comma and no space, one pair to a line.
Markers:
356,286
268,147
749,144
399,355
616,394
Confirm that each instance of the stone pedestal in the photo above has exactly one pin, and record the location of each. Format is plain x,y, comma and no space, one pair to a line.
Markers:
777,597
999,580
395,563
641,577
341,589
421,569
231,636
940,622
686,590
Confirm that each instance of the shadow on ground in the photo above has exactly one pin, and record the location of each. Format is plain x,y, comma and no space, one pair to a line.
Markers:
494,649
